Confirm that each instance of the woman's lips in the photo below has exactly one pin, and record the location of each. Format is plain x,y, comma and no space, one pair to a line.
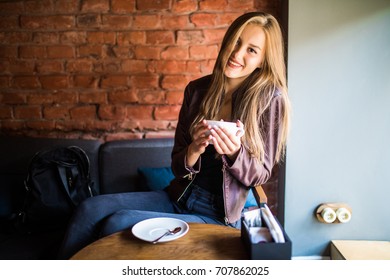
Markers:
234,64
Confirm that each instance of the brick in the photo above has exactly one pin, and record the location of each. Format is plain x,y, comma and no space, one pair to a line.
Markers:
131,38
88,21
85,81
12,125
64,97
5,81
110,112
38,7
146,52
123,136
73,37
204,19
45,38
129,125
167,112
21,66
27,112
151,97
122,96
41,125
146,81
203,67
173,21
58,97
190,37
54,81
94,51
29,51
114,81
175,53
242,5
170,66
117,22
95,6
49,66
57,112
155,125
174,97
160,134
175,82
70,125
214,35
203,52
140,112
60,51
14,37
12,7
101,37
132,66
47,22
160,37
215,5
226,19
70,6
146,22
185,6
79,66
123,6
25,82
12,98
153,5
9,21
83,112
97,97
120,52
8,51
5,112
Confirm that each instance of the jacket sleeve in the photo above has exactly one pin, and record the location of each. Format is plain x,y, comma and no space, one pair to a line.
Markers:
249,170
183,137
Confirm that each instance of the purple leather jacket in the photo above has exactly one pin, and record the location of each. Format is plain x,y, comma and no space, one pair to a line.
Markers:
239,175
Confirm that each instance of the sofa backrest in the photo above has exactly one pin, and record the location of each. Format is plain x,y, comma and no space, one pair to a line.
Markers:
120,160
15,156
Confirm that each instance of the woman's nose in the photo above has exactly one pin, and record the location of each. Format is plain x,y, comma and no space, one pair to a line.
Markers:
238,52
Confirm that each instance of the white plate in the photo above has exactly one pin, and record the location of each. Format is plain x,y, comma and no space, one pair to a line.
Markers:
151,229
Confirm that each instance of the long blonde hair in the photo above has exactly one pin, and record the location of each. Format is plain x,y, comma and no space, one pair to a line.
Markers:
259,87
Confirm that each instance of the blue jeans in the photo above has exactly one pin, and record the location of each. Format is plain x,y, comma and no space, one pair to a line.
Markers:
102,215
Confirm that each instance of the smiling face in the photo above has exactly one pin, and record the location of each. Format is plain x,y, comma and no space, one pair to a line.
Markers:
247,55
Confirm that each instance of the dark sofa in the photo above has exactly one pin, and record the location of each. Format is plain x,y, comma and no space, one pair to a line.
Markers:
114,168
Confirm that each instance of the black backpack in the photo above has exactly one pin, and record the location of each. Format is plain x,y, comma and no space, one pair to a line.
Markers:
57,181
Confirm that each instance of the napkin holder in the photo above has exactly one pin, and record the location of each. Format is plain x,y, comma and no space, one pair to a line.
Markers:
265,250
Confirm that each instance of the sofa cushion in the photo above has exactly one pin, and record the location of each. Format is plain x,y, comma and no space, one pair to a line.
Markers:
156,178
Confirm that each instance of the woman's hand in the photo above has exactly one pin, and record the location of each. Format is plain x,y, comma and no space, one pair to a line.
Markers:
226,143
200,140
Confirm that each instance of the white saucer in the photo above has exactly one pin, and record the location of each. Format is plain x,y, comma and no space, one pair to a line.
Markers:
151,229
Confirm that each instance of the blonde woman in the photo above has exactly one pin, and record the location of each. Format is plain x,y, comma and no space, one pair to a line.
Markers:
213,167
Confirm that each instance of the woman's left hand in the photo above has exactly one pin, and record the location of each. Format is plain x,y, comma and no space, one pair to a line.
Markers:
226,143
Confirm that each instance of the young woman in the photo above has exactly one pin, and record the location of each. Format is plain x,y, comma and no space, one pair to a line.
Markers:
213,168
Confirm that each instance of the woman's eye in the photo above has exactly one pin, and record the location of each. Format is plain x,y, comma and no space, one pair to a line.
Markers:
252,51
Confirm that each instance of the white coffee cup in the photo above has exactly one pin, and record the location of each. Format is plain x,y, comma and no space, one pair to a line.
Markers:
229,126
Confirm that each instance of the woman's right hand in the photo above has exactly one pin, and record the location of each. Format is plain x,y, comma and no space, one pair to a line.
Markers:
200,140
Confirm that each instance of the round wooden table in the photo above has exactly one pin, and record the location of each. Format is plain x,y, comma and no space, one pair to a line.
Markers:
202,242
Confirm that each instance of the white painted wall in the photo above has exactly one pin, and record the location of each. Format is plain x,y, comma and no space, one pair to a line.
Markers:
339,146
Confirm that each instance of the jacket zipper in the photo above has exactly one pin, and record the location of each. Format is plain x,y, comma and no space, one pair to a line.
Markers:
191,178
226,219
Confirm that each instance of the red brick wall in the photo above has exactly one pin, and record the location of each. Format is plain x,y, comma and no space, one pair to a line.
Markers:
107,69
